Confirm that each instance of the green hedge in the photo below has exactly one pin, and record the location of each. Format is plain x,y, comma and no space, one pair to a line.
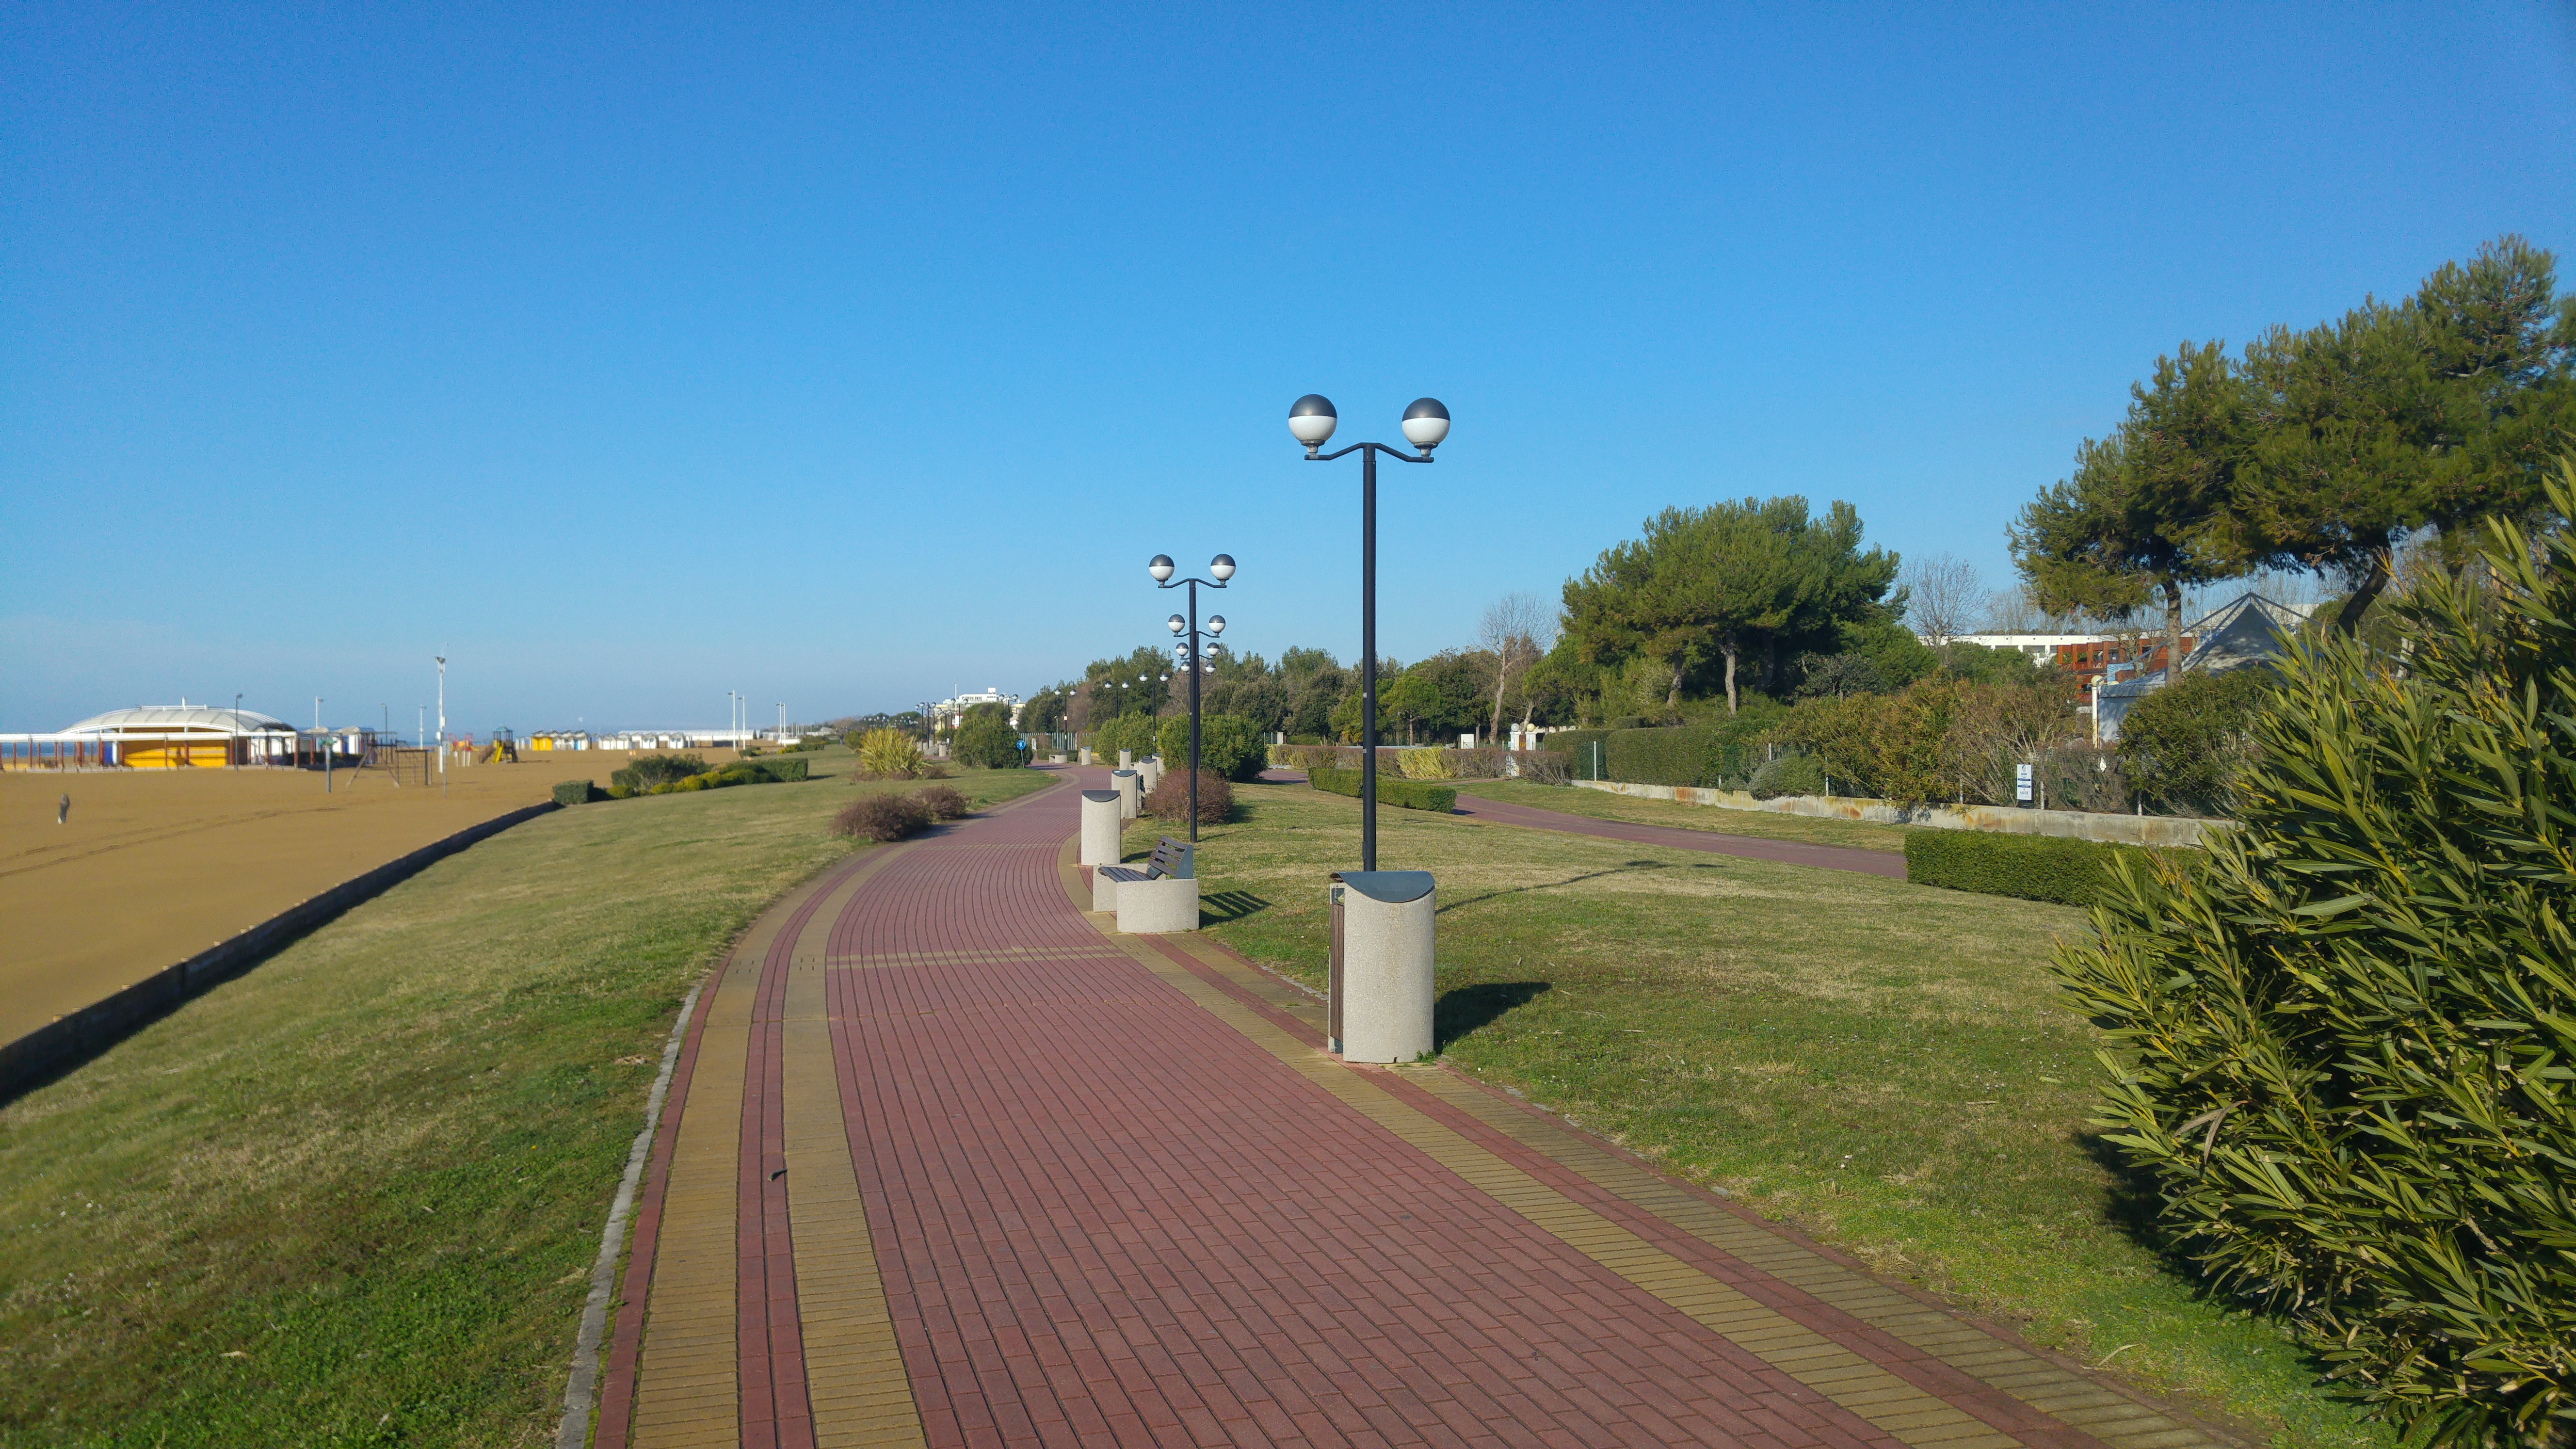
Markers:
1715,757
1411,794
775,769
576,792
2034,867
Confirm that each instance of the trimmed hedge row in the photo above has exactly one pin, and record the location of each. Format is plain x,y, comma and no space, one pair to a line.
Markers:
1411,794
577,792
766,770
2033,867
1712,757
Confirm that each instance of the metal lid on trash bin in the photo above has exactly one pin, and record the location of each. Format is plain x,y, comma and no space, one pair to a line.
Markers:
1105,797
1394,887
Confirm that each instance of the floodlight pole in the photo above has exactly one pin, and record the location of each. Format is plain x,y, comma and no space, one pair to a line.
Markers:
442,723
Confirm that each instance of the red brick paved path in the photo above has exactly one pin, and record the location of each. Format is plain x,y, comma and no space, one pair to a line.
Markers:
1113,1194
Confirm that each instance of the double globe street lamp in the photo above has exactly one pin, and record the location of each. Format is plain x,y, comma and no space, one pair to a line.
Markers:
1186,653
1311,421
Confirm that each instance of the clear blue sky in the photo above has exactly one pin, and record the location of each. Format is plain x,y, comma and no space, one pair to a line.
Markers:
852,356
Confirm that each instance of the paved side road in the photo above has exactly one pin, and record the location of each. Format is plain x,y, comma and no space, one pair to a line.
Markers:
951,1162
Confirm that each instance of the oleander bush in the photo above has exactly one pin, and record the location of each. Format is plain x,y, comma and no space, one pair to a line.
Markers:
1229,745
1787,775
2344,1048
881,817
2033,867
889,755
1410,794
941,802
1170,798
987,742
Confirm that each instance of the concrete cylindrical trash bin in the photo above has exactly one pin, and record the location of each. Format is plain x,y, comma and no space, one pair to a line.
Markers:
1379,1009
1126,758
1086,754
1100,828
1150,773
1131,799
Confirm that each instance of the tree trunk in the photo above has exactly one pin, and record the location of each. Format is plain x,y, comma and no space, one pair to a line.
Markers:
2348,618
1673,696
1730,676
1502,681
1771,664
2173,631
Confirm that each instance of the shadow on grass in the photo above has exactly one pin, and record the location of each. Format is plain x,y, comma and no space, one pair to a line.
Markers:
1220,907
1469,1009
1622,868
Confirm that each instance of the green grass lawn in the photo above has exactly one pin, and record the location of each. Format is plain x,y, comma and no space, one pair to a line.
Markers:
1602,805
1884,1065
354,1197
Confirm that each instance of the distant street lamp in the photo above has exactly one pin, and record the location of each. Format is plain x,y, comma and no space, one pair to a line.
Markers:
1186,652
1311,421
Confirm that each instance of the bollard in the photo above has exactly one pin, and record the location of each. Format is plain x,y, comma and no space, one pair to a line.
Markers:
1131,800
1086,754
1378,1008
1100,827
1126,758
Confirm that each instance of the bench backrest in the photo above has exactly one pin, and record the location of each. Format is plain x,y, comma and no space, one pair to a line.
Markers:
1171,858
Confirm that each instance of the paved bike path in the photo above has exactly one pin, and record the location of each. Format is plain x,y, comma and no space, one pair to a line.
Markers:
951,1162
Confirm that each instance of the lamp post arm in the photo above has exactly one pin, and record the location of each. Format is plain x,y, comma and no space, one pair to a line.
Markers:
1176,583
1397,454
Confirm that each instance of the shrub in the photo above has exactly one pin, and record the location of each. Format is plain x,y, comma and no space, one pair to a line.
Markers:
1543,767
1410,794
941,802
987,742
2183,746
2342,1044
881,817
575,792
1170,799
1787,775
1229,745
888,755
1133,733
2033,867
621,791
1426,765
1718,756
1484,762
645,772
778,771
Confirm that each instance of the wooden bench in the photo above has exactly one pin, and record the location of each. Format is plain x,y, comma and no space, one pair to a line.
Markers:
1162,897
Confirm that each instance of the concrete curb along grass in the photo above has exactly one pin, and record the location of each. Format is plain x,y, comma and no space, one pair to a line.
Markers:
579,1392
70,1041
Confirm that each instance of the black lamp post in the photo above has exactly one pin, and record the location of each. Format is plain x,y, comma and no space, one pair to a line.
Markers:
1187,653
1311,421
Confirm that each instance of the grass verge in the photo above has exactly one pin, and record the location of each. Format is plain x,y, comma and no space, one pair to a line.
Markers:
353,1197
1717,820
1882,1064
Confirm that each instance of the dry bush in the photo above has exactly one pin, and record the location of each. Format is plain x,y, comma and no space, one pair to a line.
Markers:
881,817
1481,763
1543,767
1171,797
942,801
1426,764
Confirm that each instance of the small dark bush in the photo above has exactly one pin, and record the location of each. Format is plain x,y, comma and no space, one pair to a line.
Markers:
1629,722
1391,789
773,769
1171,797
881,817
575,792
1788,775
942,801
2033,867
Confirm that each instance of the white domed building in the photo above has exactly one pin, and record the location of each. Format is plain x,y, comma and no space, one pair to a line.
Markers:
156,737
